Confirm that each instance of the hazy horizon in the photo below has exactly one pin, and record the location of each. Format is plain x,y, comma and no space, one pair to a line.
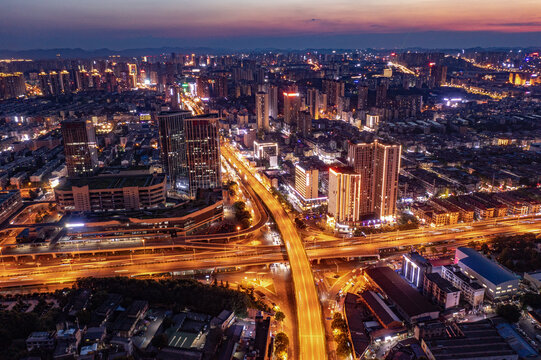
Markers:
238,24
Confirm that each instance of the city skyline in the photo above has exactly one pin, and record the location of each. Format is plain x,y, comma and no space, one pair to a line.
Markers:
119,24
270,180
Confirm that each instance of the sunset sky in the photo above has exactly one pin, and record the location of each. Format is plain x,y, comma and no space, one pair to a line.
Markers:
278,23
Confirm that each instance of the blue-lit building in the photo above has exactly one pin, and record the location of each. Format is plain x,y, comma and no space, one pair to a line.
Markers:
496,280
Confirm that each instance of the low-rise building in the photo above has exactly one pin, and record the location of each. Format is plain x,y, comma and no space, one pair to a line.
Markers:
106,193
534,278
497,280
441,290
409,303
383,313
471,290
10,202
457,341
414,268
40,340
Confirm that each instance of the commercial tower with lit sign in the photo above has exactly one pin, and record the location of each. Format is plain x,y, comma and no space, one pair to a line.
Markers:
80,147
292,107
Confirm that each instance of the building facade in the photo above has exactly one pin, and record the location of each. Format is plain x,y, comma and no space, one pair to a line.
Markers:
262,110
344,197
173,148
202,154
306,181
471,290
379,166
109,193
292,107
496,280
80,147
441,290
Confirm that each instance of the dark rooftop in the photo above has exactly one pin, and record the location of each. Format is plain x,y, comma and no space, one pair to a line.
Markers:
400,292
113,182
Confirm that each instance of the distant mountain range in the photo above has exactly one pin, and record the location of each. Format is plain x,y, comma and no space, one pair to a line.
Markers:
78,53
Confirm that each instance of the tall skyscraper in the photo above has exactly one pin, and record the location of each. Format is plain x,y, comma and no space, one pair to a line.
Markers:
335,90
381,94
83,80
273,101
305,123
362,100
379,167
80,147
438,75
272,91
65,81
43,78
292,107
306,181
387,173
344,197
173,148
174,95
110,82
262,110
132,73
55,83
312,102
202,153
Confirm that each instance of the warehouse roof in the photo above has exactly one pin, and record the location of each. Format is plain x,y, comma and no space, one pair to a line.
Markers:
400,292
488,269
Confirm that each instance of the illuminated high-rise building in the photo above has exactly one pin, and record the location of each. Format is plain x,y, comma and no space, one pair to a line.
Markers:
219,86
132,75
80,147
65,81
273,101
173,148
83,80
43,78
386,174
292,107
438,75
55,83
379,167
344,196
95,79
12,85
110,82
312,102
306,181
262,110
202,153
335,90
174,95
202,86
